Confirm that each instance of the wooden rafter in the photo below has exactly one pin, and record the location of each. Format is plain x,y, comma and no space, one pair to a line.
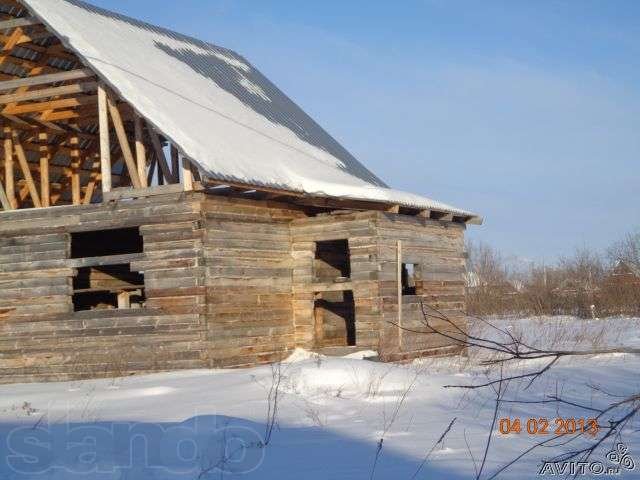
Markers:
95,177
161,158
19,22
26,172
75,88
81,74
10,44
51,105
124,141
52,114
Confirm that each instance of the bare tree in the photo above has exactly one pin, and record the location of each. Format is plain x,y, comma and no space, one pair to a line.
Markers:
579,284
505,349
627,250
486,262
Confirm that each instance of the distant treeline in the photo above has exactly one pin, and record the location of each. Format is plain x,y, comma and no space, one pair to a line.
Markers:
587,284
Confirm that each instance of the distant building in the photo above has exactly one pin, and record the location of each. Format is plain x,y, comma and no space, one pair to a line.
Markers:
624,274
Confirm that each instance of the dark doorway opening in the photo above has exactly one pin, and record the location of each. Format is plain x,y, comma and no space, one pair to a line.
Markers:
335,319
333,261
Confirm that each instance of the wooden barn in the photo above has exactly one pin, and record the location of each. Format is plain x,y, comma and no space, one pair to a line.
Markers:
165,206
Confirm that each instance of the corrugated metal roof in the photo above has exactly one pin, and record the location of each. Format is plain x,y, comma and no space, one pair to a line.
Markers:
217,108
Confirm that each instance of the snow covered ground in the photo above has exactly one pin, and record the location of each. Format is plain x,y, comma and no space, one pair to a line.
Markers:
331,415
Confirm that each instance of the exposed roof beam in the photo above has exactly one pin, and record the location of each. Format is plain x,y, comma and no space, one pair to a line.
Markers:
51,105
87,87
19,22
46,79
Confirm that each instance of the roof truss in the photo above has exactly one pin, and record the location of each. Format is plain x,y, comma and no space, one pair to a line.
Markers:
68,139
61,142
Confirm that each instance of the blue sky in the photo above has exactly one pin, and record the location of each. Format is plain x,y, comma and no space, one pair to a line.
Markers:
527,112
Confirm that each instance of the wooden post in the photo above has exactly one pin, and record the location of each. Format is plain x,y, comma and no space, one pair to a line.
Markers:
76,163
400,293
105,144
9,173
187,176
124,300
141,152
45,157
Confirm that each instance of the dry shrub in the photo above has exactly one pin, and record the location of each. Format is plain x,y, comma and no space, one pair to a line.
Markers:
582,285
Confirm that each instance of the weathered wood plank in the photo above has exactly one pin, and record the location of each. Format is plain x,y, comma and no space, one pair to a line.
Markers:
46,79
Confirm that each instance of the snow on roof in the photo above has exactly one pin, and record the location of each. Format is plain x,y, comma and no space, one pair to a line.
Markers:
217,108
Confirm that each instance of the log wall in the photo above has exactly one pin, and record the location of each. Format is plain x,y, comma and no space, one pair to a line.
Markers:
248,262
42,339
228,283
360,231
437,248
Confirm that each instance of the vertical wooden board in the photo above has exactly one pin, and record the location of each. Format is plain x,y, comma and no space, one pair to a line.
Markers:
187,175
9,172
438,249
105,143
141,151
76,160
45,157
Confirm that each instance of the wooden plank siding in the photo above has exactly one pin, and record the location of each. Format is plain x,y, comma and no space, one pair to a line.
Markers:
249,281
437,247
360,231
42,339
229,282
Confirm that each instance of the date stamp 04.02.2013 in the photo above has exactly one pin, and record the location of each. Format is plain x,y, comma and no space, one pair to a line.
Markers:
544,426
